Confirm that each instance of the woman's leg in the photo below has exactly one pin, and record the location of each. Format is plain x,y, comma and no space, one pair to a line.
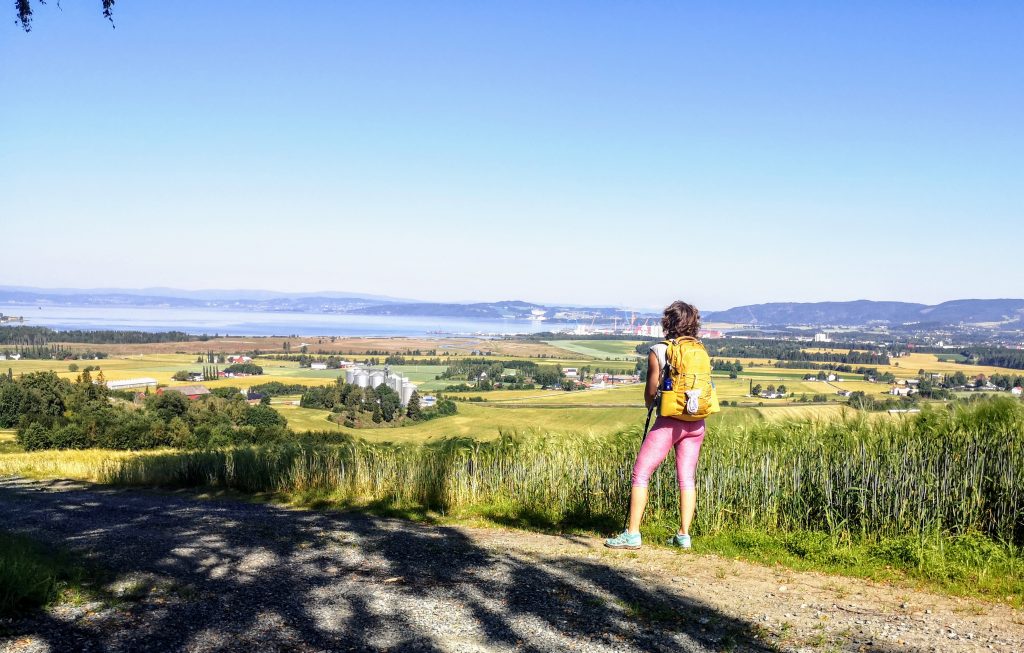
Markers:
652,452
687,452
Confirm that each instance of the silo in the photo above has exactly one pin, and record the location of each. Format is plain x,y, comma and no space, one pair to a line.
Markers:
407,390
395,383
376,378
362,379
350,375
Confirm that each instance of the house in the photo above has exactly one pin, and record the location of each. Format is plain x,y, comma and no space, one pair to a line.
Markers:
427,401
900,391
195,377
190,391
254,397
318,366
1017,391
571,372
831,377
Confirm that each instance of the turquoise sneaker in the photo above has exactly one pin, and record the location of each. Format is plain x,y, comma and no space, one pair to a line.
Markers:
682,541
624,540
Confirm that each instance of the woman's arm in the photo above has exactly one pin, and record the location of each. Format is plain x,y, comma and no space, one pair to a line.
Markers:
653,379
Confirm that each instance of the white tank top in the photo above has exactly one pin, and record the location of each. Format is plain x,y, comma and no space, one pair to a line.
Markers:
660,350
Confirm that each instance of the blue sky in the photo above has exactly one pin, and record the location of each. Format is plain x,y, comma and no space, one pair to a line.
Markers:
613,153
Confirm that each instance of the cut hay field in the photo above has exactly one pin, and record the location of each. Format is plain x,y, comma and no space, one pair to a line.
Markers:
7,443
599,349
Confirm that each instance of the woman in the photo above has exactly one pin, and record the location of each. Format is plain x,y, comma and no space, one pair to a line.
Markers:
679,320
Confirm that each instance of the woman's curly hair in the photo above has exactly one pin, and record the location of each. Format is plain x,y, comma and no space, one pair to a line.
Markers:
680,320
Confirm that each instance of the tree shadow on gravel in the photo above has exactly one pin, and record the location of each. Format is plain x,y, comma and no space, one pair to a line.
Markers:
258,578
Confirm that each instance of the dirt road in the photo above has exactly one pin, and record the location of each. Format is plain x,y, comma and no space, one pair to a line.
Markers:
216,575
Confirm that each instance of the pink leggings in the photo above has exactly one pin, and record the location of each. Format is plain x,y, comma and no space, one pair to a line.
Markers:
686,437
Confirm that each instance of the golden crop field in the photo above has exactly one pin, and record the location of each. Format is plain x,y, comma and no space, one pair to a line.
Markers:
908,366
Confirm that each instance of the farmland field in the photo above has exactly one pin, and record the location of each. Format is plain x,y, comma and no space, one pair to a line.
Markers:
480,422
600,349
552,410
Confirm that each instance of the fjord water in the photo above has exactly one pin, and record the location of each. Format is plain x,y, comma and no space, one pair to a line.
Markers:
255,323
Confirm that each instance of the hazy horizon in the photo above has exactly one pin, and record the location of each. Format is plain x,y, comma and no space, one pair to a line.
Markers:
575,154
225,293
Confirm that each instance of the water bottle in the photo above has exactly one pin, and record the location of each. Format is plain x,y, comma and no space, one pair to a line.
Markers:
668,398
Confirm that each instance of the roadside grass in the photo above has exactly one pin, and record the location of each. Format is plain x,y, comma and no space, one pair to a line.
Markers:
969,564
33,576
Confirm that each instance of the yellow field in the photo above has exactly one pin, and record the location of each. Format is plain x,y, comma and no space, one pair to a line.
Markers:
800,412
910,364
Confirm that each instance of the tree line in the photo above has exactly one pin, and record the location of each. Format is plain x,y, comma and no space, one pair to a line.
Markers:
357,407
995,356
54,413
36,335
780,350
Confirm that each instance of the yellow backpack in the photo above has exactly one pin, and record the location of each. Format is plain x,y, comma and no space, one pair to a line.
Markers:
687,391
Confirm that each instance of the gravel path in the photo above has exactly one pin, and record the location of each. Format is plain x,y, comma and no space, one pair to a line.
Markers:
203,575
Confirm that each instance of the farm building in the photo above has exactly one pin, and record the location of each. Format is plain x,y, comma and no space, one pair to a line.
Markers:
132,384
190,391
318,366
254,397
571,372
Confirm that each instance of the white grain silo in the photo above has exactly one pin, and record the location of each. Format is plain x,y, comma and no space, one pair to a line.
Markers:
362,379
395,382
376,378
350,375
407,390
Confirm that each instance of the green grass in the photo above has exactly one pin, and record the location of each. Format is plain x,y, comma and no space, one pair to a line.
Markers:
32,576
969,564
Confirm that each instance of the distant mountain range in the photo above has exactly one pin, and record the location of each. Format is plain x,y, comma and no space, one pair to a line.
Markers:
1004,313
